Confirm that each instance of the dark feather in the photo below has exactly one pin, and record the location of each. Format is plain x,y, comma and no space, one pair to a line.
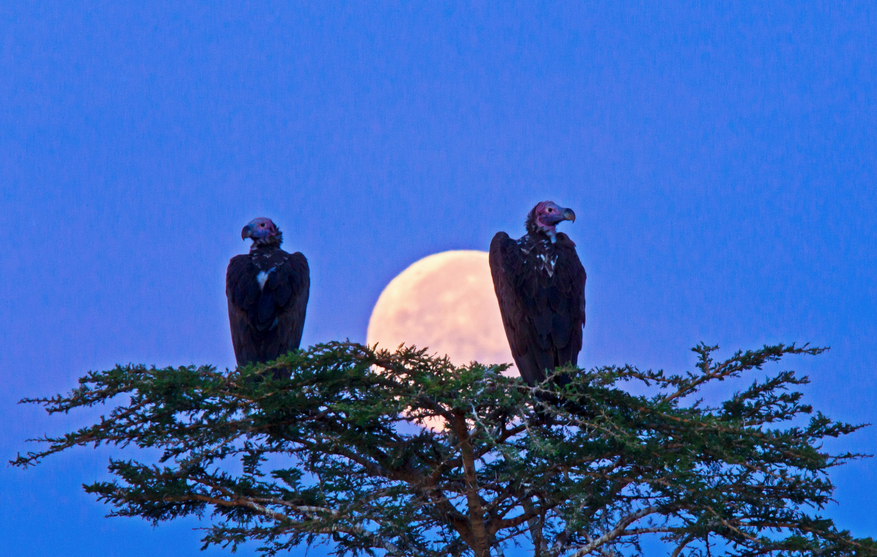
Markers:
540,287
266,321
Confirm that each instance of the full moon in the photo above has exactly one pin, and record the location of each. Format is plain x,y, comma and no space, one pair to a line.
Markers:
445,302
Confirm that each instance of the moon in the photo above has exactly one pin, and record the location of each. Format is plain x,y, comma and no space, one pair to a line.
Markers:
445,302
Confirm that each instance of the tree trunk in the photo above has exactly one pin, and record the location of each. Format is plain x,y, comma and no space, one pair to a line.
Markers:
480,538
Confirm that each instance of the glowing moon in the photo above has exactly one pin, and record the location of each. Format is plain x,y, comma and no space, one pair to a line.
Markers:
444,302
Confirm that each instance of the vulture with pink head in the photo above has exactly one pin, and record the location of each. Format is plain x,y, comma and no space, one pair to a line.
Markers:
540,285
267,292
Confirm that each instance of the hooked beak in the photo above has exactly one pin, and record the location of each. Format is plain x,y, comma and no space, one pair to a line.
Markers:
247,232
568,214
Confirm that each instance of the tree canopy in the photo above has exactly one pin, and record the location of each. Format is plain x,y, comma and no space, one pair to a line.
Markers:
335,453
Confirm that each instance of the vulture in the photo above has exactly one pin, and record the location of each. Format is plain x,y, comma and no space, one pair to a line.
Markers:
540,285
267,292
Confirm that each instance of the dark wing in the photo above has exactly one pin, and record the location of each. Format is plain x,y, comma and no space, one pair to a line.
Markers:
242,291
291,291
508,268
567,300
266,319
542,315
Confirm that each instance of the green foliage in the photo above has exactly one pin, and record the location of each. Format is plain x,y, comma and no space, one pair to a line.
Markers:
334,453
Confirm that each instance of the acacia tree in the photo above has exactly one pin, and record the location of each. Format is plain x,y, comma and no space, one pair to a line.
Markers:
334,453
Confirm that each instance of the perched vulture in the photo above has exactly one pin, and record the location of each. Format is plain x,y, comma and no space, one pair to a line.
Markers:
267,292
540,285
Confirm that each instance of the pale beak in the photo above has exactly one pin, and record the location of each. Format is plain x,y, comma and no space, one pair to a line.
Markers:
568,214
246,232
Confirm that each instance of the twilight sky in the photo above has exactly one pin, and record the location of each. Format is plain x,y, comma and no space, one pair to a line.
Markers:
721,163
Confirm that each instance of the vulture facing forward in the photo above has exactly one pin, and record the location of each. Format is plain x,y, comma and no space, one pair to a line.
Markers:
540,285
267,292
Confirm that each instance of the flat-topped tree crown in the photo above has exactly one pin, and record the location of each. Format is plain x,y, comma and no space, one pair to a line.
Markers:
332,453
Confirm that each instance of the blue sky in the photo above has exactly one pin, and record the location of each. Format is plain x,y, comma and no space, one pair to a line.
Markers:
721,162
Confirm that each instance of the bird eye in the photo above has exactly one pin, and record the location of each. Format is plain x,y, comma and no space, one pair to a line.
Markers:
550,210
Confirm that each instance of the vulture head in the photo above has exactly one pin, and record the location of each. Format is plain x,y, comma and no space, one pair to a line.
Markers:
263,232
545,216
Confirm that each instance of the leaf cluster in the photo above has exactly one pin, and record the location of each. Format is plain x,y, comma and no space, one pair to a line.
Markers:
328,445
